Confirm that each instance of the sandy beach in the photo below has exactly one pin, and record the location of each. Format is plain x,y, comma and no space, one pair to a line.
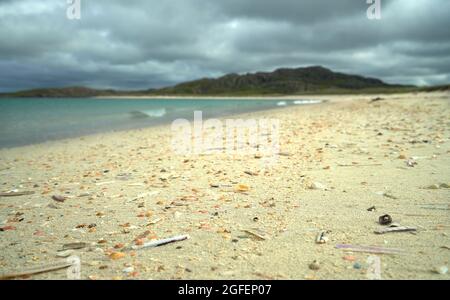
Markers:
339,159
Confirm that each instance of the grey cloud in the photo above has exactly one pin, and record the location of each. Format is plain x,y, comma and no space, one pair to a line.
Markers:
144,44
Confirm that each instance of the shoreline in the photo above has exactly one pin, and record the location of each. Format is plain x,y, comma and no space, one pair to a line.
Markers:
162,124
333,97
323,98
284,97
256,97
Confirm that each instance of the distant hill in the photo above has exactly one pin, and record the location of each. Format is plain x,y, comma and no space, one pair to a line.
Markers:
298,81
310,80
75,92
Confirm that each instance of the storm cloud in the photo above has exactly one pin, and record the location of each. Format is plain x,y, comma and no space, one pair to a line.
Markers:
141,44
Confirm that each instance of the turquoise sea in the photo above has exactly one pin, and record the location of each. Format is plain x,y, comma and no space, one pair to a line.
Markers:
26,121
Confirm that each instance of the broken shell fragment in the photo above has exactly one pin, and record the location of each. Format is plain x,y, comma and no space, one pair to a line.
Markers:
349,258
433,187
317,186
128,270
411,163
117,255
64,254
321,237
242,188
441,270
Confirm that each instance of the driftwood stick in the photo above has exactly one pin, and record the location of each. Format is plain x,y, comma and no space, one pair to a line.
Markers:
360,165
259,236
14,194
369,249
435,208
161,242
395,229
413,215
36,270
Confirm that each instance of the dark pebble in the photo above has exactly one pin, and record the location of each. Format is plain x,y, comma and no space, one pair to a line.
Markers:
59,198
385,220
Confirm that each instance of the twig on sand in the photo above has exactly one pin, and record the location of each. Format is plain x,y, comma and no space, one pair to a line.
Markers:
153,222
162,242
260,236
369,249
37,270
14,194
105,183
395,229
143,195
412,215
358,165
74,246
436,206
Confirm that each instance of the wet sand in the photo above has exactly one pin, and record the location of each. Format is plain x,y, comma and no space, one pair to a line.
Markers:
339,159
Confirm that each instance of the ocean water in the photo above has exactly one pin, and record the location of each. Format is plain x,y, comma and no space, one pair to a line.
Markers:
26,121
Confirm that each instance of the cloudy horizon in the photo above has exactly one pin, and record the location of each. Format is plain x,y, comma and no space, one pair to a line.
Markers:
150,44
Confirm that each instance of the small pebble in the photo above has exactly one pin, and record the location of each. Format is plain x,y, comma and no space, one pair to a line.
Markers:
314,266
373,208
385,220
59,198
441,270
433,187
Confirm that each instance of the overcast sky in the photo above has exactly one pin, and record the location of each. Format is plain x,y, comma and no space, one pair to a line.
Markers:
140,44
